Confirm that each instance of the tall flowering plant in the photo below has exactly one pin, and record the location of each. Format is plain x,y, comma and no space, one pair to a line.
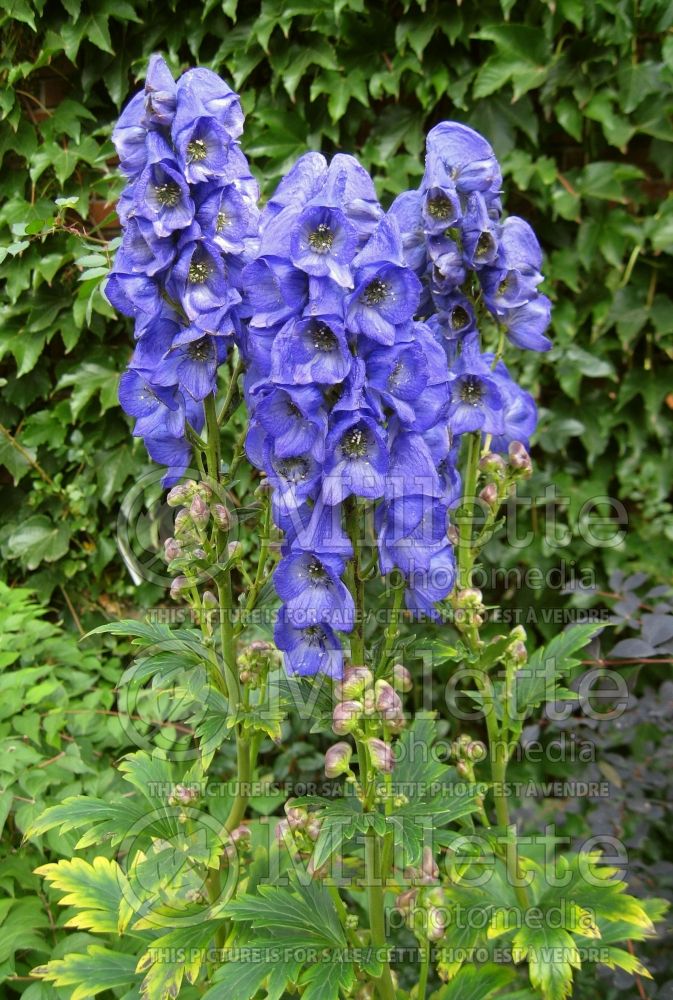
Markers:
386,432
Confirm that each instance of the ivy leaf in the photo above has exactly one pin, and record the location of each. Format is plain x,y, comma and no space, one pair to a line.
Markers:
38,540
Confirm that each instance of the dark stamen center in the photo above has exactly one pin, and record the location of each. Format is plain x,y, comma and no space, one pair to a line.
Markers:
316,572
199,272
471,390
314,635
440,207
376,291
459,318
354,443
293,469
323,338
168,194
199,350
321,239
197,150
484,246
223,220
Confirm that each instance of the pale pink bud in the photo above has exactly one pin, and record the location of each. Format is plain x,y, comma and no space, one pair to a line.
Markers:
198,510
380,755
346,717
172,549
221,516
388,703
436,924
178,586
519,458
355,681
337,760
402,679
489,495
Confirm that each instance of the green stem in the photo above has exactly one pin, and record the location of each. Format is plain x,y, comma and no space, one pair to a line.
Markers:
465,551
355,581
373,868
425,967
375,899
213,442
391,626
232,398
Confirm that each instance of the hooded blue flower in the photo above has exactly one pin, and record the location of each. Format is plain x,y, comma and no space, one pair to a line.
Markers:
309,351
312,592
476,402
323,243
356,459
310,650
178,276
295,421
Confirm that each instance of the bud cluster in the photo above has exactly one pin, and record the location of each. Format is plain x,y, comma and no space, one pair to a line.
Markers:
362,699
196,542
423,905
304,829
467,752
254,662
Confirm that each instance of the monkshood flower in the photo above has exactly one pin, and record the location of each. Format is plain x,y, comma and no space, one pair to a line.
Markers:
190,222
453,225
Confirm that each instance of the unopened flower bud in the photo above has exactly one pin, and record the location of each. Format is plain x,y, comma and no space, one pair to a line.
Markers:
296,817
469,597
261,646
204,490
183,523
436,924
245,676
402,679
199,554
198,510
172,549
234,549
518,632
429,868
240,833
380,755
387,701
281,830
489,495
493,465
355,681
452,535
396,723
517,652
475,751
346,717
183,795
221,516
369,703
520,459
462,769
179,495
338,759
178,586
405,901
313,828
209,601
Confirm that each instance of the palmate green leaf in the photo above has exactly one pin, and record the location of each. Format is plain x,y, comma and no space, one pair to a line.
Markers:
303,913
552,954
326,979
536,682
101,820
96,890
179,954
262,962
476,983
98,970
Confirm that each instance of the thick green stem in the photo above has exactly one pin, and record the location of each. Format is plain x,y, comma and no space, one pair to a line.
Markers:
425,967
465,550
375,898
373,868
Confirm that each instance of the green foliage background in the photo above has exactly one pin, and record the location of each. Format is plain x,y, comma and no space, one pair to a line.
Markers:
576,99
